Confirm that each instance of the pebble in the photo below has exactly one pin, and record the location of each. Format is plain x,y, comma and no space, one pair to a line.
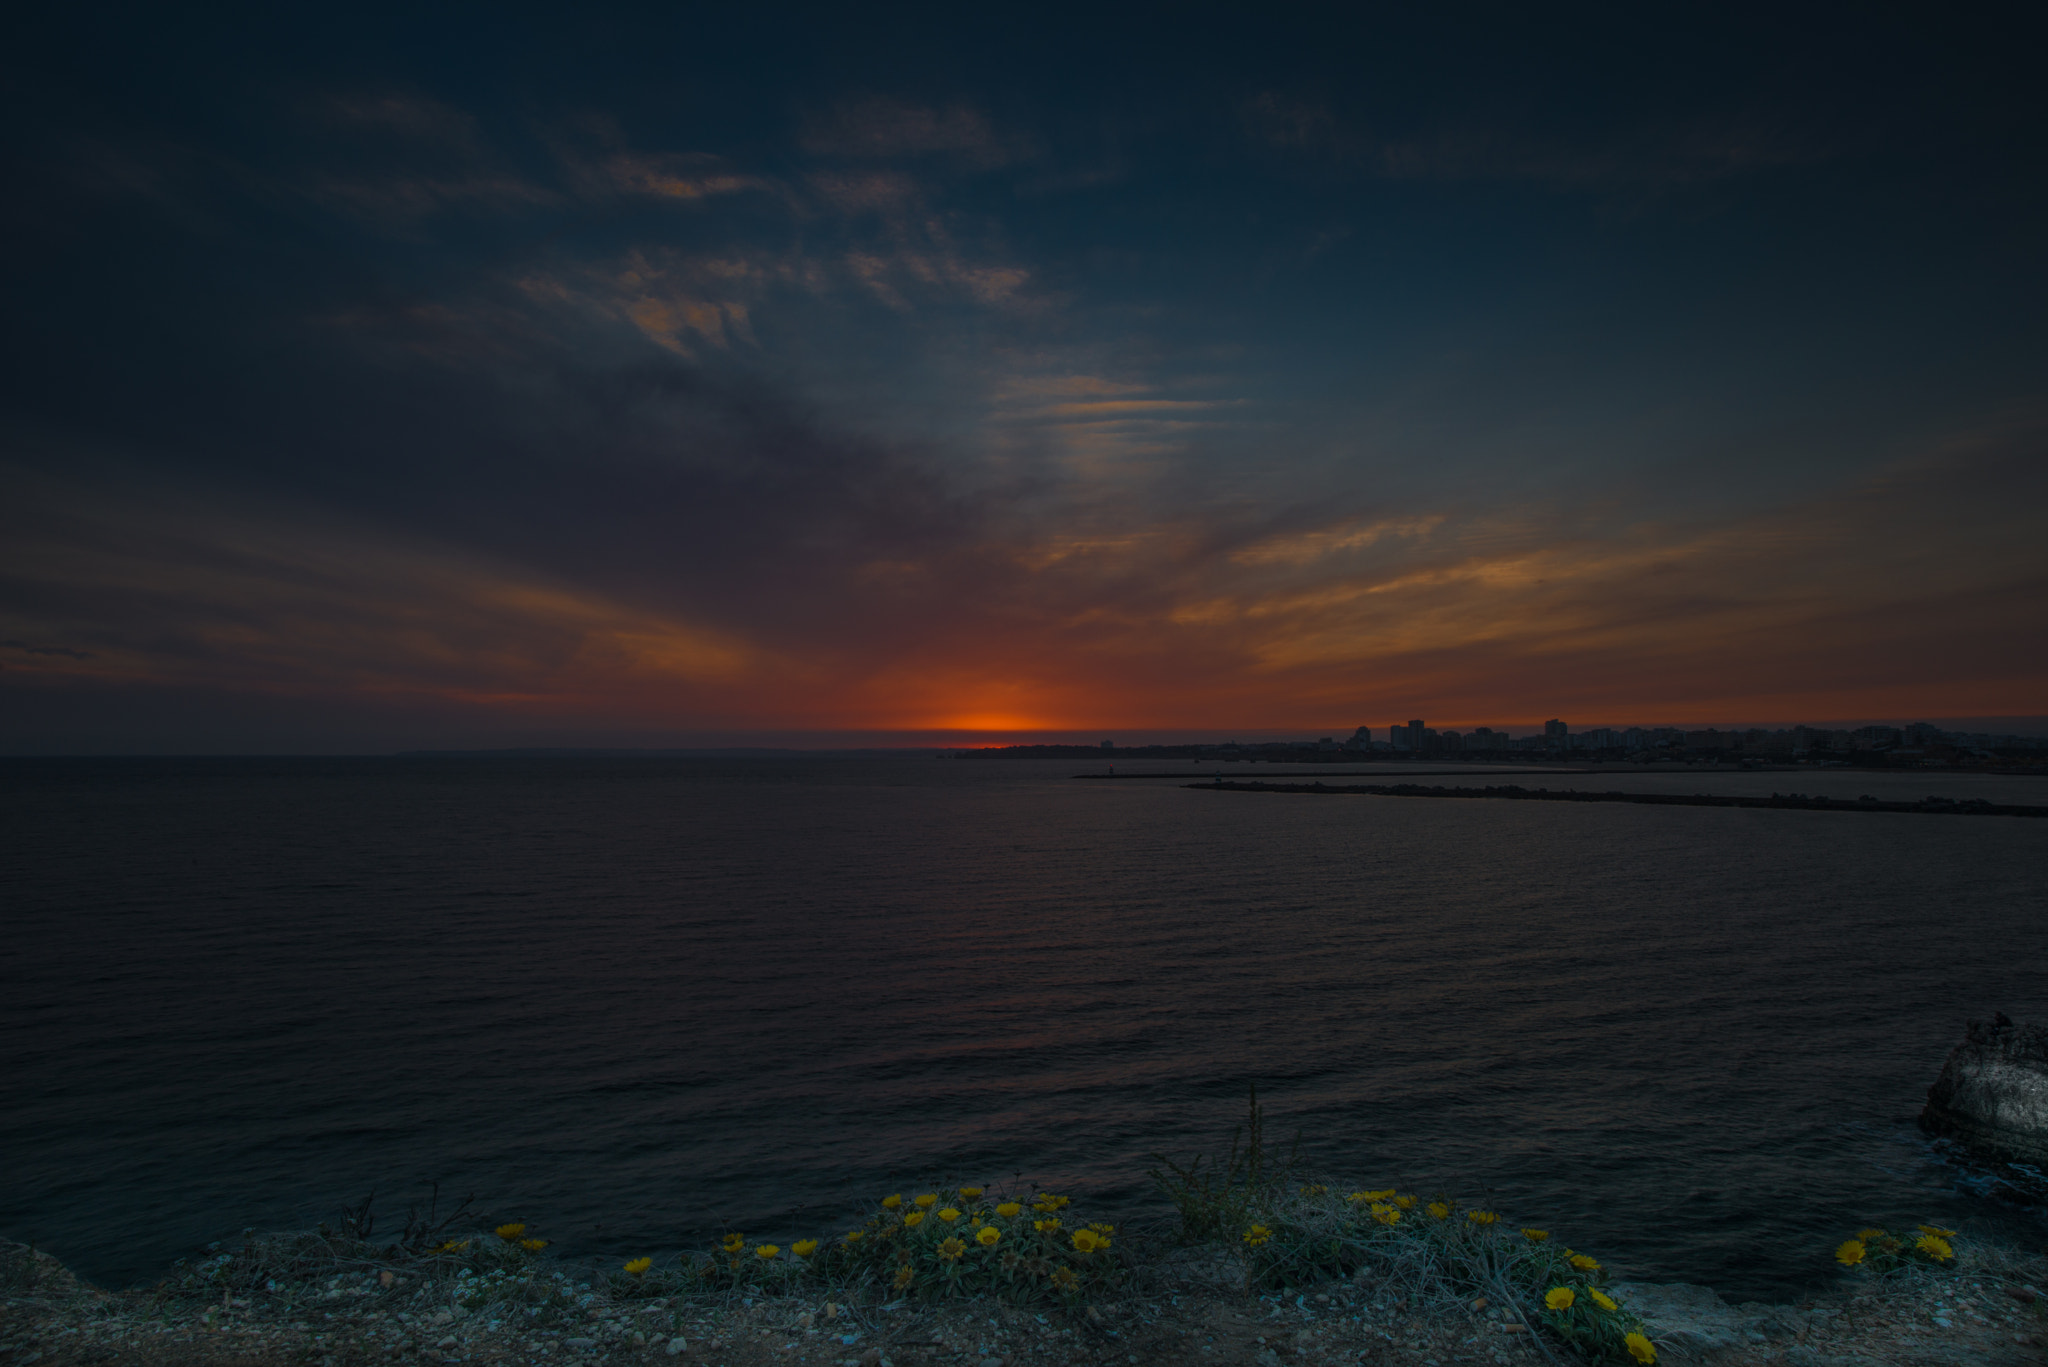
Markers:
677,1345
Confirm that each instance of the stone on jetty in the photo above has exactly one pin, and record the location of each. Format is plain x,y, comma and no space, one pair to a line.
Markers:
1992,1095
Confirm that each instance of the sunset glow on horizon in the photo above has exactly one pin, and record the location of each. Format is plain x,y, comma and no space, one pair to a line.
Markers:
414,398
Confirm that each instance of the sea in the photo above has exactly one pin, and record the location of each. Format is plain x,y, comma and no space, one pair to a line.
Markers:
638,1001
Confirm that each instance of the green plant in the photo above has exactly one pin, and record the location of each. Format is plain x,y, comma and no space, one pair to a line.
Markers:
942,1244
1438,1251
1878,1252
1216,1204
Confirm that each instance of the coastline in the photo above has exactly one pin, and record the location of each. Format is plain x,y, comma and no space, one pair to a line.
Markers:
1178,1305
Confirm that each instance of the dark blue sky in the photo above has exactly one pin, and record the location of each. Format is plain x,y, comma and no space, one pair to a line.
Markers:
464,376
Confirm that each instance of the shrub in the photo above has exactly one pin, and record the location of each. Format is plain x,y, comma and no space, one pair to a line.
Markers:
1431,1250
1878,1252
958,1242
1438,1249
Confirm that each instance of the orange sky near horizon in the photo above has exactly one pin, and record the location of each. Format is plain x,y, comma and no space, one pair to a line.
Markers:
1839,608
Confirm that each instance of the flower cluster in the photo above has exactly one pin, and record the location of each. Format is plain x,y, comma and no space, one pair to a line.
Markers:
1878,1251
939,1243
1309,1235
516,1236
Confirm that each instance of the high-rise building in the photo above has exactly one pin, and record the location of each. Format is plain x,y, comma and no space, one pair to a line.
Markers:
1554,727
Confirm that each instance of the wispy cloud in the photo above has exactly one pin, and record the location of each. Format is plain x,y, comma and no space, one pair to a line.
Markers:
1302,548
883,128
1699,149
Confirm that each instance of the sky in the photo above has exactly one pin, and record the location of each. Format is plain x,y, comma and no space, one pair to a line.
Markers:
461,376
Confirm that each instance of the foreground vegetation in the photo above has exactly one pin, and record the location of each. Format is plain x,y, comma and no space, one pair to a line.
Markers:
1380,1263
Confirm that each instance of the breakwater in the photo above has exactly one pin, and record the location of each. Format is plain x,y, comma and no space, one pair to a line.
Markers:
1932,806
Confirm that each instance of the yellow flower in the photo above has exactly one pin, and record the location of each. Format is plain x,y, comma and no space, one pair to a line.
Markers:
891,1202
1317,1190
1405,1202
1535,1236
1559,1298
804,1248
1064,1278
1439,1210
1937,1231
1085,1241
989,1236
1850,1253
949,1215
1009,1210
970,1193
1582,1262
1258,1235
914,1219
904,1277
1639,1348
767,1251
510,1233
1101,1228
1934,1247
533,1245
1481,1217
1866,1235
1048,1202
451,1246
1357,1198
927,1201
1386,1215
1045,1226
638,1267
1601,1298
951,1249
734,1242
854,1236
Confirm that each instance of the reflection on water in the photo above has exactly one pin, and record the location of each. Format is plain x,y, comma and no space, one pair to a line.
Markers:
629,1000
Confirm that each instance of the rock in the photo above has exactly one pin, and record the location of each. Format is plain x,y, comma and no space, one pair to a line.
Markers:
1992,1094
1696,1321
677,1345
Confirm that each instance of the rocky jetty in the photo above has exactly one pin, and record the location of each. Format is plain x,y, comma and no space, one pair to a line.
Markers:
1992,1095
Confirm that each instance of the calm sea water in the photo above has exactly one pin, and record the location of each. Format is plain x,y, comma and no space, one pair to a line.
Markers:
634,1001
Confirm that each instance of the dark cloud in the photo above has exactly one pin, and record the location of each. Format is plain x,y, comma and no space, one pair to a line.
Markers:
64,652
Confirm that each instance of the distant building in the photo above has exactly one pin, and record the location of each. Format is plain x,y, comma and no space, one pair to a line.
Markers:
1556,729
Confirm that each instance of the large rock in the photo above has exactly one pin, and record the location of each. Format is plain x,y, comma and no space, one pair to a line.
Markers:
1993,1092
